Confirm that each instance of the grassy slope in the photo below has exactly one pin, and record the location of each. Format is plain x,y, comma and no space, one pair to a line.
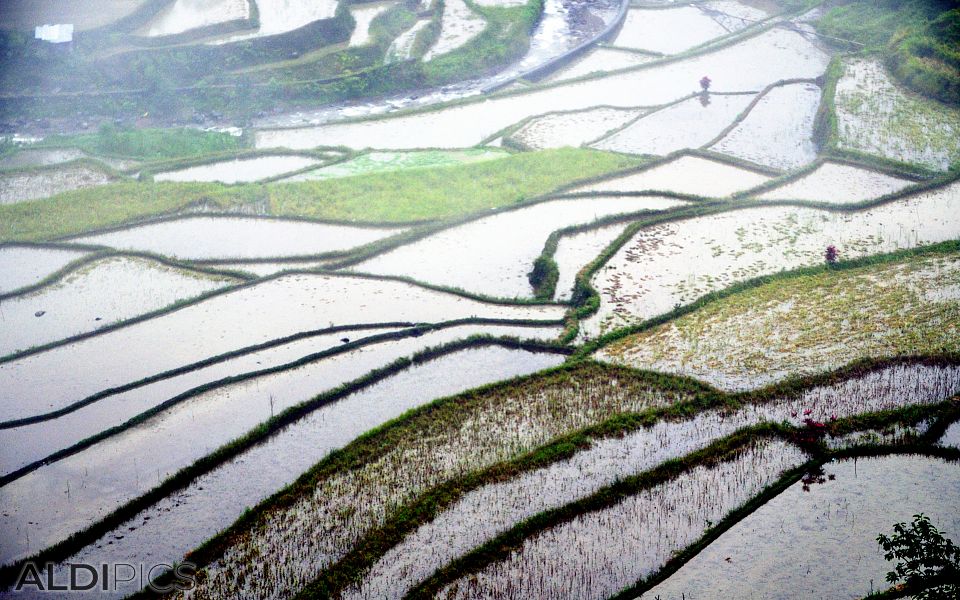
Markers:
402,196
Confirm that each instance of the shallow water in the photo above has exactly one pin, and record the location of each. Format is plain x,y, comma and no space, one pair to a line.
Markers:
401,47
874,115
281,16
40,157
95,296
122,467
778,132
467,257
22,266
690,124
36,185
668,31
600,60
252,315
184,15
787,54
222,237
572,129
683,175
384,162
364,14
675,263
951,437
239,170
600,553
821,543
575,251
487,511
838,184
458,25
214,500
30,443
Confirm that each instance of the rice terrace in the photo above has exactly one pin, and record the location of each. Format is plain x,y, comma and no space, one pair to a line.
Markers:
480,299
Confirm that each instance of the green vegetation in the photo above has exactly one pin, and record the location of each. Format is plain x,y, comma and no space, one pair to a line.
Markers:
926,559
919,315
442,192
919,39
434,193
149,144
109,205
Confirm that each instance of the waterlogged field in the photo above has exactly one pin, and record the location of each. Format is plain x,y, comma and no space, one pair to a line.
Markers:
682,175
384,162
674,263
245,317
761,335
690,124
185,519
22,266
184,15
819,540
221,237
513,328
572,129
615,542
240,170
34,185
97,295
778,131
838,183
876,116
786,54
445,258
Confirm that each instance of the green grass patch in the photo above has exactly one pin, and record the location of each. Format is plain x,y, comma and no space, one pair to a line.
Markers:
149,144
445,191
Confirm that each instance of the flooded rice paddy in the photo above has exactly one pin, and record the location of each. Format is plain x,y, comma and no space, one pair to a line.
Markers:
96,295
458,25
837,183
239,170
682,175
22,266
820,540
185,15
225,238
572,129
446,258
648,276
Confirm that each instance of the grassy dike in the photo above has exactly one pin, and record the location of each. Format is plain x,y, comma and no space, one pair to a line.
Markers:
399,197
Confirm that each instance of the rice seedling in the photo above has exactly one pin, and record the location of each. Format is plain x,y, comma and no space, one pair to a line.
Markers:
483,513
762,335
650,275
598,554
474,432
184,520
820,540
876,116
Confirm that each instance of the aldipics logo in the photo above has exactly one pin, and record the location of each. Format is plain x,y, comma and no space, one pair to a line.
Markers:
106,577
